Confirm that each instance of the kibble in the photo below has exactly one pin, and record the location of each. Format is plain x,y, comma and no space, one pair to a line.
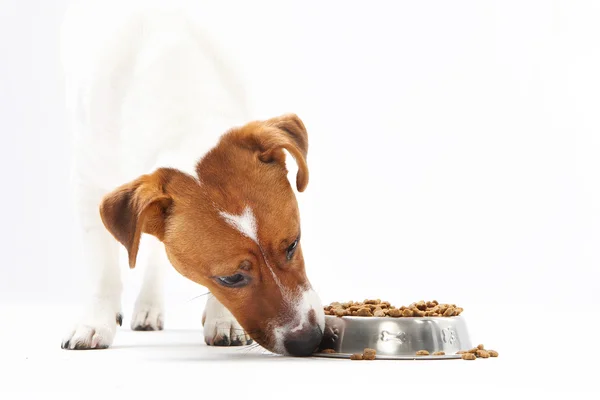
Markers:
378,308
364,312
482,354
407,313
369,354
356,356
328,351
477,352
439,353
422,353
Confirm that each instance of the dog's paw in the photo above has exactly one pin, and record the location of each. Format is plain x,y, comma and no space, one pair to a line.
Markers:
225,332
220,326
147,317
94,332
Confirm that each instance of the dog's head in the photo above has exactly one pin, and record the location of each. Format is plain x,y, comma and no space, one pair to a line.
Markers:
235,228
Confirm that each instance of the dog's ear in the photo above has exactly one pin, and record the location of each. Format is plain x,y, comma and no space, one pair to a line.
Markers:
270,137
139,207
287,132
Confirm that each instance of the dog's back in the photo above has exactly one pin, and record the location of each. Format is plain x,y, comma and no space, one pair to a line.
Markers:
145,87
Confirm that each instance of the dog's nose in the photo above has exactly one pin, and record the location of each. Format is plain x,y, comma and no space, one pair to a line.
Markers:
303,342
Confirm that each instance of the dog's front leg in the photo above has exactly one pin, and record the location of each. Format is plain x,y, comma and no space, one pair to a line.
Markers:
96,327
220,326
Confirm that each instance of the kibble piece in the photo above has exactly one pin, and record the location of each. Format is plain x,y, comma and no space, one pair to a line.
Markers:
369,354
458,310
421,305
481,347
482,354
386,303
373,301
394,312
364,312
422,353
449,312
473,350
341,312
328,351
356,356
407,313
379,313
439,353
493,353
355,308
468,356
418,313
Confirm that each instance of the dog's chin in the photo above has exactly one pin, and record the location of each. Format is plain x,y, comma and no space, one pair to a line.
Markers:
265,341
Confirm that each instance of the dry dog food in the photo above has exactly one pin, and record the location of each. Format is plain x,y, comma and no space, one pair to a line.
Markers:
439,353
367,354
477,352
378,308
422,353
328,351
482,354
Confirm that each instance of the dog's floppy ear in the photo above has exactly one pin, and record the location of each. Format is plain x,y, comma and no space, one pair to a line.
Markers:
138,207
289,133
270,137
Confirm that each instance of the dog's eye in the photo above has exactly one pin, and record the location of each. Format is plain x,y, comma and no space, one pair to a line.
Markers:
234,281
292,249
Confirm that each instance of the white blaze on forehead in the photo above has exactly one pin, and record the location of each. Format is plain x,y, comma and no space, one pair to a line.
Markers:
245,223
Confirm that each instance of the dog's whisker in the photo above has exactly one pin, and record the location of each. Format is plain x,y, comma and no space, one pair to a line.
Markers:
196,297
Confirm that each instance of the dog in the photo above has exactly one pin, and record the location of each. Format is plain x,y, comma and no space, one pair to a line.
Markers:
164,146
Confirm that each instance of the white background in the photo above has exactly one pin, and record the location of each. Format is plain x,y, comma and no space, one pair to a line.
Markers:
454,154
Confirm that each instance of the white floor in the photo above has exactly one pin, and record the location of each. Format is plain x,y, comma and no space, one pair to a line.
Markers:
177,363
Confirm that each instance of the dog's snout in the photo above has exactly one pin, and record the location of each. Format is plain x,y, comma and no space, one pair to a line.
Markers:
303,342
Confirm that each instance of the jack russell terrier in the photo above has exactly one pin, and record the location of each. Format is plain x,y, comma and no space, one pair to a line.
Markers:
148,95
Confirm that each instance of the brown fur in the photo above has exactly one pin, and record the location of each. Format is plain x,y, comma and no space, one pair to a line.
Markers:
246,168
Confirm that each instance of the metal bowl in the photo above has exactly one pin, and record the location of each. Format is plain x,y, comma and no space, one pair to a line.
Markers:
395,338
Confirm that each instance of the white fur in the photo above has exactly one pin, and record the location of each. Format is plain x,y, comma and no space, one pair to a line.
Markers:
220,325
148,313
302,305
245,223
144,89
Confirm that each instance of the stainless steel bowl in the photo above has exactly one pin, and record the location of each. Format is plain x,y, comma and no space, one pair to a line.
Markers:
395,338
